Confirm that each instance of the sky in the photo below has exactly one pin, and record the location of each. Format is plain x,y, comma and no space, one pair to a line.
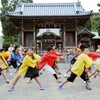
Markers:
87,5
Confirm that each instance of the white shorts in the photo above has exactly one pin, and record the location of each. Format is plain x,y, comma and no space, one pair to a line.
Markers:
49,69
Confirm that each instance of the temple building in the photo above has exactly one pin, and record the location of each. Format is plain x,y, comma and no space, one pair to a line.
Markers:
90,38
31,17
47,37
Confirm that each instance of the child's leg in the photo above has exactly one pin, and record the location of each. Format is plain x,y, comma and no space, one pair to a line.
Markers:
65,75
30,81
69,69
95,75
69,79
16,80
2,73
50,69
57,68
38,82
56,77
54,67
36,79
14,83
85,77
92,73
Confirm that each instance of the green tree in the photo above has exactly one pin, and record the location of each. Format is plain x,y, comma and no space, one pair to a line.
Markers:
99,19
9,31
95,22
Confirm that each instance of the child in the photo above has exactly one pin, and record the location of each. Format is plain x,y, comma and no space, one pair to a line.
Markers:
1,71
48,60
38,58
73,60
4,62
28,69
55,66
15,59
78,69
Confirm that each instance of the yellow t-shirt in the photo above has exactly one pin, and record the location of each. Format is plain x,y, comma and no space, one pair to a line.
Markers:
6,54
37,57
98,66
97,63
4,62
28,62
82,61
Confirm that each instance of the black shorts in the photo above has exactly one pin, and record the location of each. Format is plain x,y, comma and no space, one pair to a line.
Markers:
72,77
32,72
1,69
13,63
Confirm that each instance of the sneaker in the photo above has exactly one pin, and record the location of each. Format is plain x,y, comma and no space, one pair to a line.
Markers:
41,88
11,89
61,85
7,81
65,75
88,87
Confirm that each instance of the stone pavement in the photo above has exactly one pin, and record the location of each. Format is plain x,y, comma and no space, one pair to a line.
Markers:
71,91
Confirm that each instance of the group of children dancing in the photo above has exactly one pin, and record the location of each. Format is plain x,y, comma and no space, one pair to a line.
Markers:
30,64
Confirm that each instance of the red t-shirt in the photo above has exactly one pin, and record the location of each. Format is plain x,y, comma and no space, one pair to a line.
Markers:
48,58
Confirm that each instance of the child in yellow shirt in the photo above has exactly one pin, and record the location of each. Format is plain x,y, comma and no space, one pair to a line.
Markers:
28,69
78,69
1,71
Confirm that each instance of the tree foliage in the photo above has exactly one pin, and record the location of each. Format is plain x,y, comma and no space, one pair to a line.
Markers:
8,29
95,22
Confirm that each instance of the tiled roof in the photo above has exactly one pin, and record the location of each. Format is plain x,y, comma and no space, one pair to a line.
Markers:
55,32
86,31
49,9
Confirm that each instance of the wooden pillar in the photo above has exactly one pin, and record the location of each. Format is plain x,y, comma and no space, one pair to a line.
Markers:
34,37
76,40
41,44
22,33
64,37
22,38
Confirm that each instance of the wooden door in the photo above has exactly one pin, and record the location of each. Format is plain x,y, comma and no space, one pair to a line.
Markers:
28,39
